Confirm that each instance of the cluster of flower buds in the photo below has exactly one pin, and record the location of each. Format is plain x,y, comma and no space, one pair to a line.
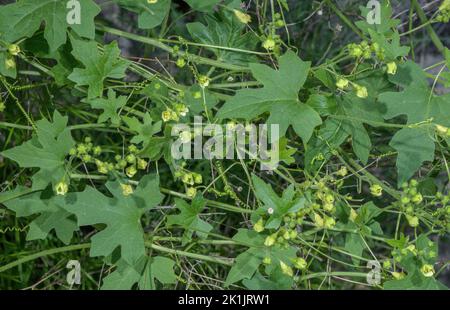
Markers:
344,84
411,198
365,50
444,12
174,114
130,163
190,179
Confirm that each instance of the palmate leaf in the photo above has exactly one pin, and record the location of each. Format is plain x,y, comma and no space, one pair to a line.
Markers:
46,150
414,144
150,14
121,214
110,107
279,97
144,272
23,19
97,66
145,130
189,218
226,31
51,216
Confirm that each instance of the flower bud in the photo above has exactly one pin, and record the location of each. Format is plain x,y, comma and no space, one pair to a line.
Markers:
329,222
181,62
427,270
318,220
342,83
203,81
286,269
242,17
268,44
270,240
376,190
131,171
130,158
259,226
188,178
342,172
142,164
126,189
413,221
267,260
61,188
361,91
185,136
198,179
391,68
14,49
191,192
300,263
10,63
417,199
166,115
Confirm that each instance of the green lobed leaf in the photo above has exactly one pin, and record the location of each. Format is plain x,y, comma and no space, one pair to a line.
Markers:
23,19
121,214
279,97
415,143
189,218
97,66
46,150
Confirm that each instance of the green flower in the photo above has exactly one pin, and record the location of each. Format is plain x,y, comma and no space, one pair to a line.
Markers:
286,269
61,188
300,263
427,270
259,226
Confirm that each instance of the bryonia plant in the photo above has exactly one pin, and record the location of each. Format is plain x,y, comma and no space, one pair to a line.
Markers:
359,199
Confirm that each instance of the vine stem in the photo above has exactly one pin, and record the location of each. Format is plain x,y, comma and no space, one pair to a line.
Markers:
335,273
158,44
34,256
76,247
423,18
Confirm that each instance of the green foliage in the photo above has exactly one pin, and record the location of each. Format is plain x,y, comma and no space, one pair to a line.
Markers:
87,131
97,66
23,19
46,150
279,96
189,218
